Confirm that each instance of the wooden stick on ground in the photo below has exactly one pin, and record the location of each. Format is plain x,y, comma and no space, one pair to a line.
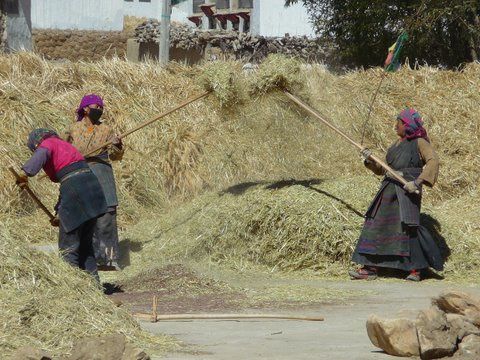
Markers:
225,317
146,123
313,112
154,309
32,195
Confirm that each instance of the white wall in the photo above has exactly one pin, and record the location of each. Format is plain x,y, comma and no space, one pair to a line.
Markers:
272,18
78,14
149,10
182,11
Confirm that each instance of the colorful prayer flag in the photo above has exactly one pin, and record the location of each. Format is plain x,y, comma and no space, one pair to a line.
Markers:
392,63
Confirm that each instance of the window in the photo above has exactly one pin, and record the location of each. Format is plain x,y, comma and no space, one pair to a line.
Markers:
144,0
245,4
196,5
128,0
222,4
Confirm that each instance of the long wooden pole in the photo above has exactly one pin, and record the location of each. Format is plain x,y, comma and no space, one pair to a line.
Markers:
146,123
313,112
32,195
225,317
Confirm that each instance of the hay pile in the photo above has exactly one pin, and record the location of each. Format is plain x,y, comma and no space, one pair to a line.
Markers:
184,182
48,304
284,225
289,225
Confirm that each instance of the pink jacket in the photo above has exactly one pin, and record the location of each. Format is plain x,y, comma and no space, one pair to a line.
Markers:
62,154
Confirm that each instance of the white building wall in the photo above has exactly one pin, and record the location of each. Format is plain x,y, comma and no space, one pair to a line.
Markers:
78,14
182,11
153,9
272,18
138,8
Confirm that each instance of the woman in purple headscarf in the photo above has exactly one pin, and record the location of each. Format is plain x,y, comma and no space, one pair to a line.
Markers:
88,133
392,236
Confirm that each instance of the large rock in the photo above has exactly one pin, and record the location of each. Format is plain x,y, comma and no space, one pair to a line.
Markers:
437,338
30,353
396,337
109,347
469,348
457,302
461,326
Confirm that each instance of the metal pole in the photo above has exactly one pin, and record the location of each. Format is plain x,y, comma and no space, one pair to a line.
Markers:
165,32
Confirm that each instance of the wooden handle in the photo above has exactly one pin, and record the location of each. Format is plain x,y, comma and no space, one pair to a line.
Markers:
313,112
32,194
146,123
225,317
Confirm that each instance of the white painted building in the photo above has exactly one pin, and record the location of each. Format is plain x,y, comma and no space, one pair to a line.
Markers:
260,17
78,14
272,18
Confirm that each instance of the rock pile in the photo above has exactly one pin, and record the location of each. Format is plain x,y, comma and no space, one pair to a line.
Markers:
243,45
108,347
451,327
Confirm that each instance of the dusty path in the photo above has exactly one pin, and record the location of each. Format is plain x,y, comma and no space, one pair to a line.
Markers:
341,336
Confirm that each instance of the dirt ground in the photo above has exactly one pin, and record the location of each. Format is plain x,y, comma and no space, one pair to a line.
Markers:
345,305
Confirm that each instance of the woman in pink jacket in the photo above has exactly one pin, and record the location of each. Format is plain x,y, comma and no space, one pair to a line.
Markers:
81,197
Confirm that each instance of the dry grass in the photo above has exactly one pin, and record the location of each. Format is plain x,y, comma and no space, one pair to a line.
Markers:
278,72
180,183
43,299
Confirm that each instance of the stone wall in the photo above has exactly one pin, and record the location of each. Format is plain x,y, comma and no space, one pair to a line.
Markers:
3,31
80,45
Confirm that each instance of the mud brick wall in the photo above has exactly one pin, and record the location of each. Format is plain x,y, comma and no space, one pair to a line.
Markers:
80,45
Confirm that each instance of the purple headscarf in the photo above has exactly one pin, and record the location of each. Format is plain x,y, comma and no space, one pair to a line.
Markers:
413,124
88,100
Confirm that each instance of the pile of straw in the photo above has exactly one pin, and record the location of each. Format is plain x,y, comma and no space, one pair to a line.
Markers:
183,184
278,72
48,304
285,225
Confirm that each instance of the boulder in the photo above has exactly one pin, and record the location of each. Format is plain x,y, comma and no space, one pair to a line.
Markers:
457,302
462,326
109,347
30,353
436,337
469,348
396,337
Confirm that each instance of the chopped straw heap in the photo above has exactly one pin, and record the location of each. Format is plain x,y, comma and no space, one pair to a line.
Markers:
225,81
48,304
278,72
260,183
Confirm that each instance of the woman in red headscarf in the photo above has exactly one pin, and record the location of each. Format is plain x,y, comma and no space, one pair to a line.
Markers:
392,236
88,133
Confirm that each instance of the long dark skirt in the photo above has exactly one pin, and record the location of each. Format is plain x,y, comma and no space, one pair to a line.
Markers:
387,242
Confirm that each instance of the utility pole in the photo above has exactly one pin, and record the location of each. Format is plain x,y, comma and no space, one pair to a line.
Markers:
165,32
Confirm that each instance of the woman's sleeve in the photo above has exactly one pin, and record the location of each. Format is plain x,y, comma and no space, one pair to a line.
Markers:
374,167
36,162
430,159
115,152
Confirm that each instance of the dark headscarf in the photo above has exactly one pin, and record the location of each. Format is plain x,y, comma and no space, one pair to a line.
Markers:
37,136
